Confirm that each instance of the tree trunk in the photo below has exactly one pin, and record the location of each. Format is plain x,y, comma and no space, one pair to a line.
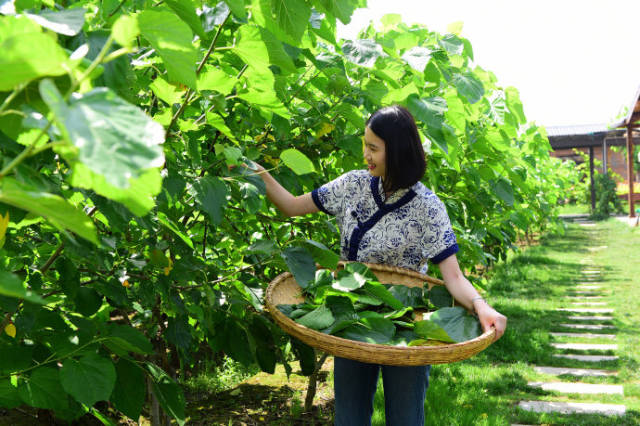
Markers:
154,414
312,386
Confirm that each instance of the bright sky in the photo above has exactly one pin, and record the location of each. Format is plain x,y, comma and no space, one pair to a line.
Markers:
573,61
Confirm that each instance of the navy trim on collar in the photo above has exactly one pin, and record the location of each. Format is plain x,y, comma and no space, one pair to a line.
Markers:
373,183
383,209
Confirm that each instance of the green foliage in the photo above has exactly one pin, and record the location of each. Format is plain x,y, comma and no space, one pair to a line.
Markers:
131,241
607,201
354,305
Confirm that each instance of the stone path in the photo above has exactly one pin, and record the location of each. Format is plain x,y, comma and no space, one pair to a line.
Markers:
585,304
559,371
585,335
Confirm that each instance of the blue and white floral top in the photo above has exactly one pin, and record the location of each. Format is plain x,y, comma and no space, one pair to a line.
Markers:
407,230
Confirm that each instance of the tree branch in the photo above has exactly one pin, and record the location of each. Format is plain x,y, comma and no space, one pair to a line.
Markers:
187,97
52,259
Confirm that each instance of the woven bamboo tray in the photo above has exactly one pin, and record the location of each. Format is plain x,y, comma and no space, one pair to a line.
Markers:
285,290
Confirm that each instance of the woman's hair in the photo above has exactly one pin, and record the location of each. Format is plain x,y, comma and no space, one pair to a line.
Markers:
405,163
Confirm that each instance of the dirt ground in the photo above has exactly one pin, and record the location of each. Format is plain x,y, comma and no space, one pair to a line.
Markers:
264,399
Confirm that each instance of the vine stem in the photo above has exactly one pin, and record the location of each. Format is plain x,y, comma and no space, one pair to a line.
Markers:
116,54
12,96
47,146
50,360
13,111
52,259
224,278
114,11
302,86
25,152
187,97
97,61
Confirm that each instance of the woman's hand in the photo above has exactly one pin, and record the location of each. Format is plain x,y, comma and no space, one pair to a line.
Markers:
252,165
285,202
489,317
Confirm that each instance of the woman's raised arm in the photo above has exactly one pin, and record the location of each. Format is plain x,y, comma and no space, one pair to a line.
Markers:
287,203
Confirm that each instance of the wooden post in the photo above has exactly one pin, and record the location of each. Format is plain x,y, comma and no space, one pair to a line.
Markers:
632,212
604,157
593,188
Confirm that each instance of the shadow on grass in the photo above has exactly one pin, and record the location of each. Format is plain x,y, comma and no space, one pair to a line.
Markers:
252,404
460,396
534,276
631,418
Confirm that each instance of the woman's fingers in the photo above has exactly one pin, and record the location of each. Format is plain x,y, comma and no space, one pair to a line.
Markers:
500,323
251,165
489,317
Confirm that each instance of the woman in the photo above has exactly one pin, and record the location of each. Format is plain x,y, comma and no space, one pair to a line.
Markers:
387,216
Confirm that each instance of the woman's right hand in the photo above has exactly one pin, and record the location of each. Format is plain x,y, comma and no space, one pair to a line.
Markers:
285,202
256,167
251,165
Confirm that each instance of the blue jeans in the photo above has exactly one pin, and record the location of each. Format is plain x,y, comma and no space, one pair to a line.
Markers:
355,386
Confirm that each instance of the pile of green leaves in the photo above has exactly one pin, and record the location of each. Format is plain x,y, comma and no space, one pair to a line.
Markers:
355,305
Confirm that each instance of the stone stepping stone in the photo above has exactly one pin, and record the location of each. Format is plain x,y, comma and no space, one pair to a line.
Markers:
573,408
587,293
587,372
585,298
596,248
587,358
586,346
589,285
591,272
587,310
587,224
578,387
585,335
588,326
590,318
588,303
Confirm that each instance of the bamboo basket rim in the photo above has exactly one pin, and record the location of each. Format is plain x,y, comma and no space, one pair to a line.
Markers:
373,352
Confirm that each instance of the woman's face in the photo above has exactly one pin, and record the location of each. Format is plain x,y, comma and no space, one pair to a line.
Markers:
374,153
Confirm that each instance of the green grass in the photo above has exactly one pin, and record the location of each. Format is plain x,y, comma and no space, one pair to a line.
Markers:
485,390
574,209
219,378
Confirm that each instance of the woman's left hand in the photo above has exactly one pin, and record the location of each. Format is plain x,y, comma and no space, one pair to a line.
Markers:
489,317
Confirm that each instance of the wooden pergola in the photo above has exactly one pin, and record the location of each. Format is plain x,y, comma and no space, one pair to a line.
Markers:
624,133
631,123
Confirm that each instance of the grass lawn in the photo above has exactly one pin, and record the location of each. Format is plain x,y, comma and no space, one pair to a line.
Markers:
485,390
574,209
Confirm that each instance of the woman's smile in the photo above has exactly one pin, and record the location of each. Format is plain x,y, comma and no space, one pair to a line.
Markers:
374,153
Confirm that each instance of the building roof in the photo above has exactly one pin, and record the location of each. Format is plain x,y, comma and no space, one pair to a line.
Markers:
581,129
633,116
587,135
